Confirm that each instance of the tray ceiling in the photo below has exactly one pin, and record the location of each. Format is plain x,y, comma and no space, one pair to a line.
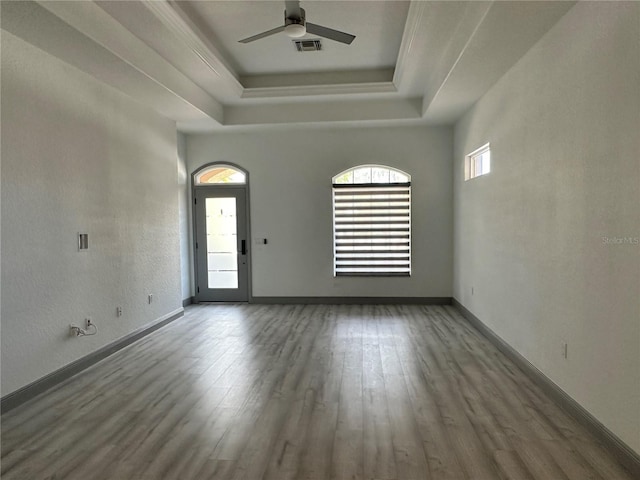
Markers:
411,62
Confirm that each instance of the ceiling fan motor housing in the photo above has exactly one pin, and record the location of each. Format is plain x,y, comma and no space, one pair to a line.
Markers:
295,26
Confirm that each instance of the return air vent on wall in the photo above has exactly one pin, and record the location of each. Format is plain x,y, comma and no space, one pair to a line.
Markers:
308,45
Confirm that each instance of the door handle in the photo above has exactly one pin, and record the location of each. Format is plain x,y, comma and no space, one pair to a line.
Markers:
243,248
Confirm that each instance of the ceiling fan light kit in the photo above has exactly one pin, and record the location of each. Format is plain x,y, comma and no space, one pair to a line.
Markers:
295,30
296,26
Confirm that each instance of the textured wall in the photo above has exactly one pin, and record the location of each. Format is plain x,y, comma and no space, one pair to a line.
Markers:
77,156
290,187
563,125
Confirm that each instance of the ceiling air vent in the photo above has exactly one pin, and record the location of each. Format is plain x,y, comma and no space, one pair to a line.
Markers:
308,45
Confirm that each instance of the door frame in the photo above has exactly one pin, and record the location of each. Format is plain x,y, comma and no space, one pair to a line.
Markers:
247,213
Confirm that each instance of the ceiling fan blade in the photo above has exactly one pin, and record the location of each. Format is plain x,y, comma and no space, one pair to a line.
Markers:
268,33
330,33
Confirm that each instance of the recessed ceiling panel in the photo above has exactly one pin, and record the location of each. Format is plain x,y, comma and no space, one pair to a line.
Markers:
377,25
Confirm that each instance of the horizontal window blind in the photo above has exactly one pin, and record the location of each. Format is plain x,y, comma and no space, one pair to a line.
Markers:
372,229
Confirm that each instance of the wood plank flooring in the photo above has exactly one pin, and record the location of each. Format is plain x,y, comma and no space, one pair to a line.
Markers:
254,392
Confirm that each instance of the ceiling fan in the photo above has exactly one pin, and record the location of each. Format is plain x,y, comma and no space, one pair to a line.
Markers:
295,25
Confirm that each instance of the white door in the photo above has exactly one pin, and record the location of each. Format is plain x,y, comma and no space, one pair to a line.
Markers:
221,244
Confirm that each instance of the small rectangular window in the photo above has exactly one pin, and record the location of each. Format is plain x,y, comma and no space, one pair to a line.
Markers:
477,163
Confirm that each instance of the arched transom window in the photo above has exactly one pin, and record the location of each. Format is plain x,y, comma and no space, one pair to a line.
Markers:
367,174
372,222
220,174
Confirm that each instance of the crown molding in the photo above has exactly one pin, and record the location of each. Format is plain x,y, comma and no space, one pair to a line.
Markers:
314,90
76,31
184,29
411,29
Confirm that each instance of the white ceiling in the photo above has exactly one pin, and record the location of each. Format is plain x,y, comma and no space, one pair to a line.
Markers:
379,28
411,62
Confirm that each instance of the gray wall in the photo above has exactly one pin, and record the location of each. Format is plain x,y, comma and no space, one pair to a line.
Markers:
290,182
77,156
564,129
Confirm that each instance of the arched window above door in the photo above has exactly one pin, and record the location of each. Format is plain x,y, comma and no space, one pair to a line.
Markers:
220,174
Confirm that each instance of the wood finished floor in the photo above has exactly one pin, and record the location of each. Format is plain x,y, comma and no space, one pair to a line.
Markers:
302,392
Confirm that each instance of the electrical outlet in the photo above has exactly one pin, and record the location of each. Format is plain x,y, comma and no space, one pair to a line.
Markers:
150,298
565,350
87,322
118,311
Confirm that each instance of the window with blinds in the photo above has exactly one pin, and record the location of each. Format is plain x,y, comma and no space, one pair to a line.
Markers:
372,222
